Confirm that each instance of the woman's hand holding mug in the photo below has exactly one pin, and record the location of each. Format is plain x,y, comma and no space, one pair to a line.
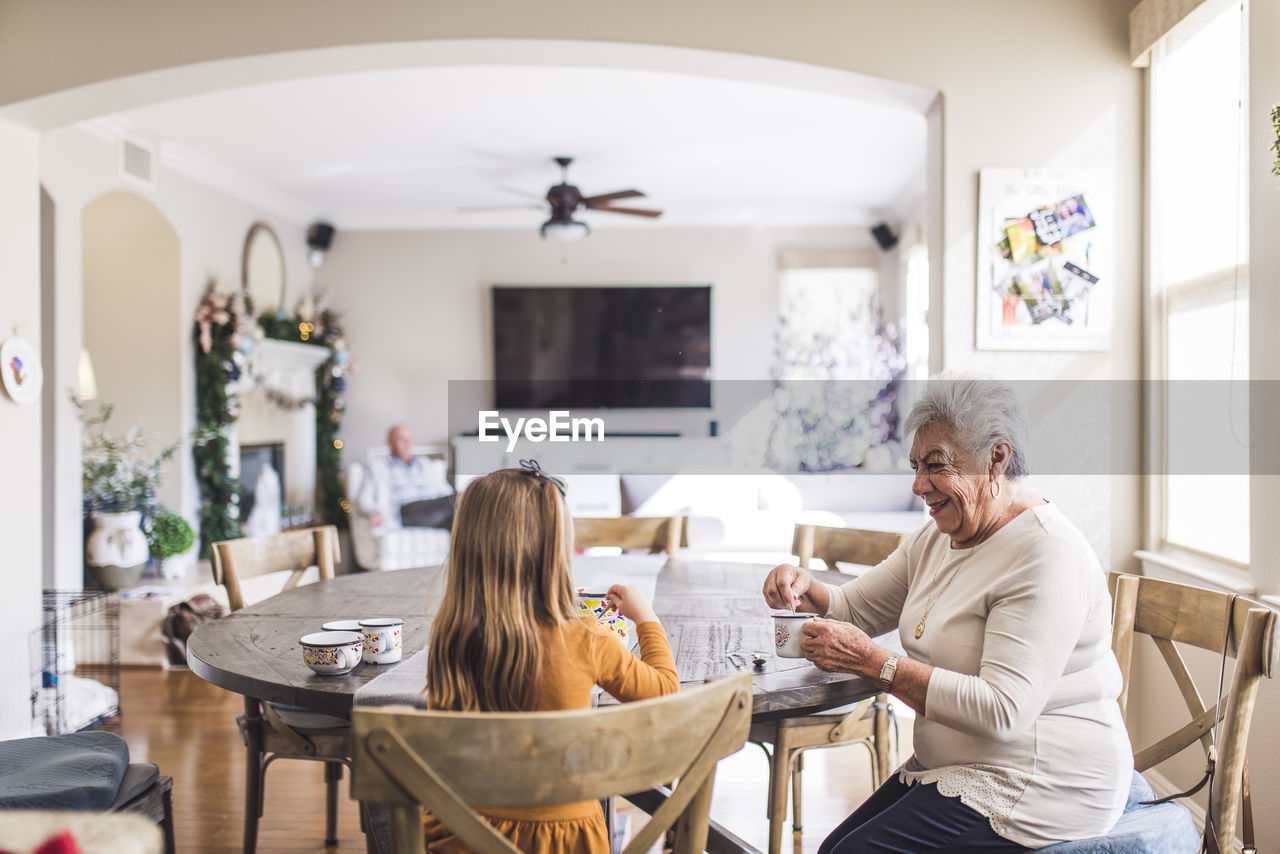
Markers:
838,647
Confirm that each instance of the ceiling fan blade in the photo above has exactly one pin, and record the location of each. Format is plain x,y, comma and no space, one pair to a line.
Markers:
480,208
596,201
630,211
519,192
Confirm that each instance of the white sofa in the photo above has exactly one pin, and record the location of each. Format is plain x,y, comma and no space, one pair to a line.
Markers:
391,546
753,515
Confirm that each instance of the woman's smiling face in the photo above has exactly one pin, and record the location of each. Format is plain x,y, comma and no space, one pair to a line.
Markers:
952,482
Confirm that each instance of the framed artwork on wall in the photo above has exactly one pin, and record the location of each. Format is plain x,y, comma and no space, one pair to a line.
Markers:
20,370
1045,259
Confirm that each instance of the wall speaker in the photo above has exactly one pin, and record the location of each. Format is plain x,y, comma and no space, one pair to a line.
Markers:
884,236
320,236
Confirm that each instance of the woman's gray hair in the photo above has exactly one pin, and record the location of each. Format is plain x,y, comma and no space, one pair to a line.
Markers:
980,410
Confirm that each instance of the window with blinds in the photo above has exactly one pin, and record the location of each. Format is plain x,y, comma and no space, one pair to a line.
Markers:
1199,252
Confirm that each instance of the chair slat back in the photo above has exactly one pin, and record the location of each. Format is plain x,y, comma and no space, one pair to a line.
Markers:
1169,613
850,545
248,557
450,762
654,534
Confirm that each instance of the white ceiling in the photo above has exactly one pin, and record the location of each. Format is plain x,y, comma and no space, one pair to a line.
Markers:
404,149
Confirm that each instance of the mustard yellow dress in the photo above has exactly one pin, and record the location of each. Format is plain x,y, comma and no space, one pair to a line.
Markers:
585,655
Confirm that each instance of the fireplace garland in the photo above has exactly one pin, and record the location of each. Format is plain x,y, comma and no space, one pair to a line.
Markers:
216,411
224,334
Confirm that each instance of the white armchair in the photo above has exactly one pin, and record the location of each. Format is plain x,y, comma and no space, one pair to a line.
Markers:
390,546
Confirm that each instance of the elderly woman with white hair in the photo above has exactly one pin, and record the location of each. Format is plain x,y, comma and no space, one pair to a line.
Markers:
1004,615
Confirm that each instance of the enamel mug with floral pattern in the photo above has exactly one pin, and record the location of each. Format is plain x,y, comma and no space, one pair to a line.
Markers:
382,639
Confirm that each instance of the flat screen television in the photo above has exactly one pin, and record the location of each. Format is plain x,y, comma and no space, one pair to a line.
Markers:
601,347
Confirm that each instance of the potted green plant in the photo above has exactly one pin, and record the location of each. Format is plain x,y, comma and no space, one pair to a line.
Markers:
169,536
119,480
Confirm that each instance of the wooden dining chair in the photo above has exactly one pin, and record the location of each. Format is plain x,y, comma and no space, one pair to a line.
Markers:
234,561
842,545
865,723
1230,627
452,762
655,534
272,731
1171,614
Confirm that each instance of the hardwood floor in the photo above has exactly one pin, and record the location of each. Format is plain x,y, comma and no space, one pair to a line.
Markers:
187,727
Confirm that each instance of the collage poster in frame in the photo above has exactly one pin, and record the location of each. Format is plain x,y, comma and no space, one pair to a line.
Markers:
1045,259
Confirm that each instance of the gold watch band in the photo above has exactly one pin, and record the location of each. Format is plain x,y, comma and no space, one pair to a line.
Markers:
889,672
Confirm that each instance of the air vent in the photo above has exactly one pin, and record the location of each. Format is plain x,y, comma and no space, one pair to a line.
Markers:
137,162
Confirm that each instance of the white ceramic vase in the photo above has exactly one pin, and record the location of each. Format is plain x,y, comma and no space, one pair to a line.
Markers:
117,549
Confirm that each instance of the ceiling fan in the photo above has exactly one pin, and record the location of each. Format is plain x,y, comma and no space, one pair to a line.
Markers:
564,200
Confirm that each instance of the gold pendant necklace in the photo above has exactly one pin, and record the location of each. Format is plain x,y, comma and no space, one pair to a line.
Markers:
929,605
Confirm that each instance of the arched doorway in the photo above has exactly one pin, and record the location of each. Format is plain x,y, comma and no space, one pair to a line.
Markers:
132,328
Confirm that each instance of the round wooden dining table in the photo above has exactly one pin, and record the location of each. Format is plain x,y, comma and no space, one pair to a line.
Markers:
713,613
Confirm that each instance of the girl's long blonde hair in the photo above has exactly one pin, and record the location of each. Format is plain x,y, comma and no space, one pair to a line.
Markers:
509,576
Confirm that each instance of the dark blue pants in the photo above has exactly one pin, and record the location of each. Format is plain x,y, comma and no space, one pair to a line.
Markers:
902,819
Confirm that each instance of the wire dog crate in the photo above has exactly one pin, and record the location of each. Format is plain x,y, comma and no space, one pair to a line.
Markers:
75,683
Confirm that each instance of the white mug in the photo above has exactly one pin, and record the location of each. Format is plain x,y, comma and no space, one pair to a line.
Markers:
342,626
788,634
331,653
382,642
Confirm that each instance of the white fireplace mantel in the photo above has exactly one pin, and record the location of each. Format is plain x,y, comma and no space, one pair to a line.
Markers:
275,370
286,367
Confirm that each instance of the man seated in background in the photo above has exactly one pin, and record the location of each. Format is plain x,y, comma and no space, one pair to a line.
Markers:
406,491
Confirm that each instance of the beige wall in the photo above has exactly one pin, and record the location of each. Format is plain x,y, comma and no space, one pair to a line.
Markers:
1264,296
20,436
1264,364
417,311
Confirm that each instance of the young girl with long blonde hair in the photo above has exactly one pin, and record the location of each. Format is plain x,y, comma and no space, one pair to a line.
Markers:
509,637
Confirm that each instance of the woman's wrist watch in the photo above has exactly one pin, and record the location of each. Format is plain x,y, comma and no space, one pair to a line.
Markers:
888,673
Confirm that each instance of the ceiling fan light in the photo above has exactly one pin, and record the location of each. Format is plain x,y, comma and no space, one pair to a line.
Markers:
564,230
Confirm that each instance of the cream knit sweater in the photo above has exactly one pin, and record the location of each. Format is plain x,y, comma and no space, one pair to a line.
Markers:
1021,721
